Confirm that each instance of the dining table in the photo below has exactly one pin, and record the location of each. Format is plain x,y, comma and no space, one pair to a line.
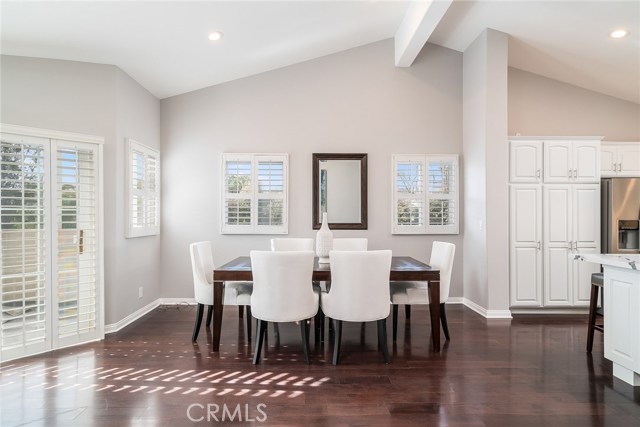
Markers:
403,268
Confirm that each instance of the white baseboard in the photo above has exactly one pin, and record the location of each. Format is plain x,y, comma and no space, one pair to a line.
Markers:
455,300
489,314
547,310
177,301
115,327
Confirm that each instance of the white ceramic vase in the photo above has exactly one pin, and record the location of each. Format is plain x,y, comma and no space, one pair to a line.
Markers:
324,241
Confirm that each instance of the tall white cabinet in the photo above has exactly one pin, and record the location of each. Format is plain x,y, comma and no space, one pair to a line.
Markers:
554,212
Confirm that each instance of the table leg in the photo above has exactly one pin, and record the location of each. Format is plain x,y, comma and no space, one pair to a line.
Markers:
434,310
218,290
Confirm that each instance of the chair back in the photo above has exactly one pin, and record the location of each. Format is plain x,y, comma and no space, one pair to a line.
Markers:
359,285
291,244
442,254
350,244
282,290
202,267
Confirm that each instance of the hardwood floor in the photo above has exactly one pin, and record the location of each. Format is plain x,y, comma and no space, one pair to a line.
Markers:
530,371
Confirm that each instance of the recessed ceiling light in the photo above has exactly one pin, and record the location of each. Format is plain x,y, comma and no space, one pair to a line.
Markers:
215,36
618,34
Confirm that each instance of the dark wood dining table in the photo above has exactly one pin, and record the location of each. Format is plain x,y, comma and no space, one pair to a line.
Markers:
403,268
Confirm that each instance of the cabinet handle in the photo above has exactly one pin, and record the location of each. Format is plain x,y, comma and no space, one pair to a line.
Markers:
538,245
575,173
614,166
570,172
619,167
537,173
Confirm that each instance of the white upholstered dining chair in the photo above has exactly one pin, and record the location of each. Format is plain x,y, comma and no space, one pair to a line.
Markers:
359,293
235,293
339,244
282,292
410,293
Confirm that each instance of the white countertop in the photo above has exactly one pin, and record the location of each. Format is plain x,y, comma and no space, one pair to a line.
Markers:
630,261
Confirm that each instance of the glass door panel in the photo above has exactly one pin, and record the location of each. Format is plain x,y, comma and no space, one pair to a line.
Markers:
24,246
75,266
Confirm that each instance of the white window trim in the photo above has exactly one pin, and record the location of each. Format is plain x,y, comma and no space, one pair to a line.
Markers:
426,196
147,230
253,227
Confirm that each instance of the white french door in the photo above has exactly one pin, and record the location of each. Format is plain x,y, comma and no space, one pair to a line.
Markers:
51,282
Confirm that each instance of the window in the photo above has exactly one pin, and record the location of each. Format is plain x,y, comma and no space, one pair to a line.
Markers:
254,194
425,194
143,184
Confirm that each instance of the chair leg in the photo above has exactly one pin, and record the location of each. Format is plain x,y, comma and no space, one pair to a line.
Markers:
318,323
593,307
443,320
304,329
407,311
382,339
261,330
248,322
209,315
196,328
241,311
395,322
337,340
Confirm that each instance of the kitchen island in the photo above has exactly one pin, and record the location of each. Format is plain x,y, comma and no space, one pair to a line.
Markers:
621,312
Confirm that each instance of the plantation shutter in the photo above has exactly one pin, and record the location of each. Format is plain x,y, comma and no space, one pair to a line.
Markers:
425,194
254,197
75,238
144,190
25,246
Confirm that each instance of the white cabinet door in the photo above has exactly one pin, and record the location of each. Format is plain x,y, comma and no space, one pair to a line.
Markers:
586,216
557,226
586,238
557,161
608,160
629,160
622,311
586,161
526,235
525,161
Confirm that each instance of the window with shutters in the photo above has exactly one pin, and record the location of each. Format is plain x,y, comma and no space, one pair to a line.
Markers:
254,193
143,183
425,194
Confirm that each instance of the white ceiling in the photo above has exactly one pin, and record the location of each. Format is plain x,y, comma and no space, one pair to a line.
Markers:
164,46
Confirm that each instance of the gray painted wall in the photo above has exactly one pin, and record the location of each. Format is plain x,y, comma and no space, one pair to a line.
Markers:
98,100
542,106
353,101
486,267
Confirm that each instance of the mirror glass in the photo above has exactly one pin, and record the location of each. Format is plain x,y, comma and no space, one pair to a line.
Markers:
340,189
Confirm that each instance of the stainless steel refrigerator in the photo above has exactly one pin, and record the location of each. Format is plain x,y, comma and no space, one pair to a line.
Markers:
620,204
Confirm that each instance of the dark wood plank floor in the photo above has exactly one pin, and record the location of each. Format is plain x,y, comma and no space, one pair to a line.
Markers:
530,371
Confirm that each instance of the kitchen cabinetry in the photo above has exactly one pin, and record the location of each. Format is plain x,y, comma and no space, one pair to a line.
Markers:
571,224
620,159
525,161
571,161
554,212
526,245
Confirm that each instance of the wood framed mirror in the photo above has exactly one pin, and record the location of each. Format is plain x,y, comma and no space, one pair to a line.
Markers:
340,189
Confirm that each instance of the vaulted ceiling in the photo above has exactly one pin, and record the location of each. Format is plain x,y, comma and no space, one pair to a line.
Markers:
164,45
